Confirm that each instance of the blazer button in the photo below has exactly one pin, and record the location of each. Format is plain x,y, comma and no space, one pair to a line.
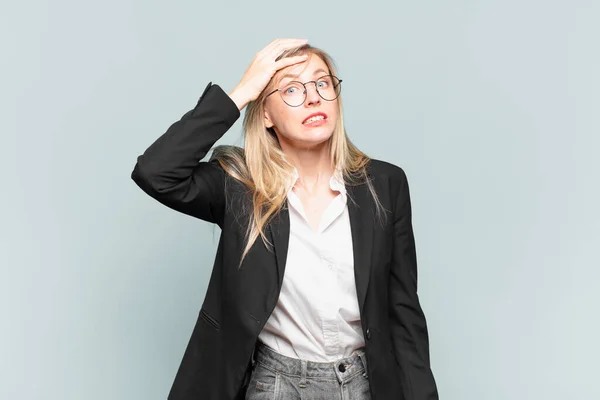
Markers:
368,334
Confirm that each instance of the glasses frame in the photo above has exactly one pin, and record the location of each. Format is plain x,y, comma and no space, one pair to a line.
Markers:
306,90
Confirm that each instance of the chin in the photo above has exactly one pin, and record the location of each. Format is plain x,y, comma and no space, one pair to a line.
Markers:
313,138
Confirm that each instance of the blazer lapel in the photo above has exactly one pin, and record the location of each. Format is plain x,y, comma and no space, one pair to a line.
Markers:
280,237
361,225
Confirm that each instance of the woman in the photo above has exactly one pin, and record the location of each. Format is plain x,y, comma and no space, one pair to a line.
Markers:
313,293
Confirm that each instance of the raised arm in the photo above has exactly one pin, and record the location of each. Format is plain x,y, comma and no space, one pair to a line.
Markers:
170,169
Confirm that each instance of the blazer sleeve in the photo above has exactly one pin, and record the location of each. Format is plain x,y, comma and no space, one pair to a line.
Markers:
408,324
170,169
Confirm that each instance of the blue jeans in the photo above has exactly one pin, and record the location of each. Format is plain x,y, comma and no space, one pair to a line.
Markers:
277,377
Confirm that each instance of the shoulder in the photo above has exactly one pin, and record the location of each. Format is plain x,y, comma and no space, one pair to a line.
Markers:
394,180
387,171
390,178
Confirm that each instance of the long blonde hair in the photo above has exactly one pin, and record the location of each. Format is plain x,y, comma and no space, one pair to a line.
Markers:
263,168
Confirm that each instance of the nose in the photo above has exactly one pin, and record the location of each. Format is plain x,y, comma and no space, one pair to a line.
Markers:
312,96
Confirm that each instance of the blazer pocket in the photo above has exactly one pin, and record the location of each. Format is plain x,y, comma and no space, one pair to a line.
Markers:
209,319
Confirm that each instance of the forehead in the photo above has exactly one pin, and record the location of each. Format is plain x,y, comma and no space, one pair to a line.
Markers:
311,68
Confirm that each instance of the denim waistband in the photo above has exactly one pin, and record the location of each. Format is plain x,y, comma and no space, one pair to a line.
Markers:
339,369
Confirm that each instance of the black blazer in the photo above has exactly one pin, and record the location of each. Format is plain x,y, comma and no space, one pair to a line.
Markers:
217,362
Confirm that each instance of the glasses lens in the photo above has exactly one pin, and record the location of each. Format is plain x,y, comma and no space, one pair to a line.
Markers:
293,94
329,87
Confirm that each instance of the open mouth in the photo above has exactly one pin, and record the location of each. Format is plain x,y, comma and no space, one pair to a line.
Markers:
315,119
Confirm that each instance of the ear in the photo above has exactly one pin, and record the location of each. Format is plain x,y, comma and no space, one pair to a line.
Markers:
268,122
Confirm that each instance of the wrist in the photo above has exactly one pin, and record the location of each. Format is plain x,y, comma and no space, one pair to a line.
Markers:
239,98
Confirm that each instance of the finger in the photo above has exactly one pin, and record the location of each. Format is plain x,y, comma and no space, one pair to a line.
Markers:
281,42
286,62
290,43
284,44
291,60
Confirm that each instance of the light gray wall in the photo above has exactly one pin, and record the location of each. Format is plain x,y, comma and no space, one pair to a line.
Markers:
490,106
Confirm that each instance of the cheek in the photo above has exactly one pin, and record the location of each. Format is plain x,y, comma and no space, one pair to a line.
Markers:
287,120
280,116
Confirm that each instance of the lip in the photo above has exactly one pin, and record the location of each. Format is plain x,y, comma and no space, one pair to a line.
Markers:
314,115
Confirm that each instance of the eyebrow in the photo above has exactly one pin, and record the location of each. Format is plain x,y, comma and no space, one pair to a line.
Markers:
295,76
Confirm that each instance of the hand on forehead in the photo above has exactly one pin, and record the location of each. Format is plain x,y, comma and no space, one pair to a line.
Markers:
313,67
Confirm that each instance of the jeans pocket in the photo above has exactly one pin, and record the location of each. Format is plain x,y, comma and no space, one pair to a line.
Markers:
264,384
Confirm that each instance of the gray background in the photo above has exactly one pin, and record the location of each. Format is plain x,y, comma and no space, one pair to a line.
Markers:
490,106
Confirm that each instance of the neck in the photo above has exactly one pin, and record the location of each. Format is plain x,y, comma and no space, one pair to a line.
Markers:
313,164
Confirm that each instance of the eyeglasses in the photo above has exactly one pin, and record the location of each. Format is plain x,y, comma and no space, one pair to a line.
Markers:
294,93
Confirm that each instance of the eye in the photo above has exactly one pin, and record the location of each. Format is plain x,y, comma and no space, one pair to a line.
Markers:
323,83
292,89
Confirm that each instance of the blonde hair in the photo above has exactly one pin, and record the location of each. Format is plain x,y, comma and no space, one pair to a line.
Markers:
263,168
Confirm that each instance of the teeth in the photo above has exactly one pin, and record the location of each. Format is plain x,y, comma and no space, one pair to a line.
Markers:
313,119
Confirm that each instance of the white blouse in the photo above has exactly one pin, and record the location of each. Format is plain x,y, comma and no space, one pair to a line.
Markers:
317,317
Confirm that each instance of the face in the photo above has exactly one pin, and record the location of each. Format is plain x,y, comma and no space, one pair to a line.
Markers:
293,124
